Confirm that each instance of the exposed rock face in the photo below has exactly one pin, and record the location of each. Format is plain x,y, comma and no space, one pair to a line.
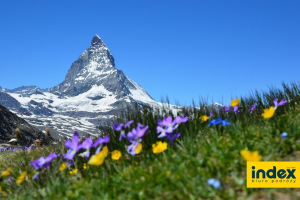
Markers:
92,92
95,66
9,102
9,122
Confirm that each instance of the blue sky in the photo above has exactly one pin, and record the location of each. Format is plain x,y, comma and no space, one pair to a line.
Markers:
217,50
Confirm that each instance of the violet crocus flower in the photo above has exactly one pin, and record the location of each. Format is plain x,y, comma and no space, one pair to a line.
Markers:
252,108
121,127
43,162
214,182
73,146
135,137
281,103
100,142
87,144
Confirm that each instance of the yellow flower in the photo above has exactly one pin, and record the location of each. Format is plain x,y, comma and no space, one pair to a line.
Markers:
203,118
74,172
85,166
4,194
62,167
115,155
235,102
159,147
98,158
105,151
268,113
6,172
250,156
139,148
21,178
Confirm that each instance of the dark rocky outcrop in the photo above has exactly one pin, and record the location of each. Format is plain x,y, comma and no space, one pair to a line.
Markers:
9,122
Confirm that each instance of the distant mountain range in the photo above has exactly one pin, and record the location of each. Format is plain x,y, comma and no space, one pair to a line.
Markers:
92,93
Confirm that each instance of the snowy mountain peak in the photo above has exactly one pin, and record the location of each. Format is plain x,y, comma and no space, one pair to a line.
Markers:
97,41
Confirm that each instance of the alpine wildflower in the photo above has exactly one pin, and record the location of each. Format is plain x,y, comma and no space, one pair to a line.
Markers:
203,118
115,155
36,176
135,138
7,172
87,144
21,178
100,142
159,147
284,135
235,102
139,148
43,162
73,146
73,172
98,158
63,167
252,108
250,156
218,121
268,112
214,182
281,103
121,127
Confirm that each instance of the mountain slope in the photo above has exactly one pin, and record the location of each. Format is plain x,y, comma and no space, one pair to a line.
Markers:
93,91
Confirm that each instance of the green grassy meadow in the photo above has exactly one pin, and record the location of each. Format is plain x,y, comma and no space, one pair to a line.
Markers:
180,172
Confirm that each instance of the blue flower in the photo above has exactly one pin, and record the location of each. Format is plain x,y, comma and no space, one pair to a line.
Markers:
284,135
214,182
218,121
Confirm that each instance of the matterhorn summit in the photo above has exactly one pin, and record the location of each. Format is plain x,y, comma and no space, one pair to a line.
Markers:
93,91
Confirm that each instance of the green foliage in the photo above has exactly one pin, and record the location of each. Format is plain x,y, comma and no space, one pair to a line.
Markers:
180,172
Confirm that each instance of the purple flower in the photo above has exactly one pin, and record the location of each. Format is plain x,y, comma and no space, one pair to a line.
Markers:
252,108
137,133
73,146
87,144
121,127
281,103
284,135
9,179
236,110
36,176
172,138
226,108
131,148
100,142
211,114
179,119
214,182
43,162
167,125
135,137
